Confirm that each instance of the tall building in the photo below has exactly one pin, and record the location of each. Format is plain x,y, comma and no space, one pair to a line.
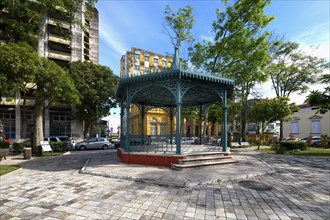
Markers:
157,121
63,43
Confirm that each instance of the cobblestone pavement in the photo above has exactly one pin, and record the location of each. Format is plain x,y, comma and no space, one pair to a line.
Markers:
52,188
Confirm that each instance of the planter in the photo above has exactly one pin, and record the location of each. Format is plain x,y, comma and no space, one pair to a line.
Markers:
3,153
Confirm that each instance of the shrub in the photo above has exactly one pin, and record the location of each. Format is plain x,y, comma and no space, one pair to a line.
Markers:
293,145
58,146
4,144
19,147
284,146
279,149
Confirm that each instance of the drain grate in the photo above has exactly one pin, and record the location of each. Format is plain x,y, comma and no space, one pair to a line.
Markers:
255,185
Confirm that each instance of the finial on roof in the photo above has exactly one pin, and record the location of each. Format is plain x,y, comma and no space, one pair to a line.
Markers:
176,62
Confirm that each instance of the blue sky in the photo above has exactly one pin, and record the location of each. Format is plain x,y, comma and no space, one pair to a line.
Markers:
125,24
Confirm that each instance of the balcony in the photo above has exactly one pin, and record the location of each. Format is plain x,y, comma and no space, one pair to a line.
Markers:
59,55
59,23
59,39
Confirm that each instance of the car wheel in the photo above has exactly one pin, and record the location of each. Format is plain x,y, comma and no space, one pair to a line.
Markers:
82,148
105,147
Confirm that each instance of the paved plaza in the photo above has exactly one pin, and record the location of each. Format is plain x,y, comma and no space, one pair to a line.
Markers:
95,185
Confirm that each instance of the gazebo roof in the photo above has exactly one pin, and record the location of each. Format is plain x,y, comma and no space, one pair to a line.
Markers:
158,89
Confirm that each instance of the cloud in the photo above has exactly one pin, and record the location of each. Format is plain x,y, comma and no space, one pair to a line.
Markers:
112,40
315,40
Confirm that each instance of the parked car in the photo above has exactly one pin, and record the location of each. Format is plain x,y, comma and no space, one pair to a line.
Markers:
57,139
315,140
93,143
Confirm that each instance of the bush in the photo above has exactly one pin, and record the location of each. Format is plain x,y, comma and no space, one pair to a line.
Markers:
294,145
284,146
19,147
58,146
4,144
279,149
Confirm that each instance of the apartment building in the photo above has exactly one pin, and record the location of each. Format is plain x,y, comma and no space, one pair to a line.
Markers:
307,122
63,43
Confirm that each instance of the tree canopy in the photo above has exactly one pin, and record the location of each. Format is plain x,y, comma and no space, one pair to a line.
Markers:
292,70
321,99
96,85
178,25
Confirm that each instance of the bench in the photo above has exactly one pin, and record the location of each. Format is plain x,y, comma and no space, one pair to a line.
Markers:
235,144
245,144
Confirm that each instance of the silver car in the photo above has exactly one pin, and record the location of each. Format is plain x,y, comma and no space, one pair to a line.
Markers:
93,143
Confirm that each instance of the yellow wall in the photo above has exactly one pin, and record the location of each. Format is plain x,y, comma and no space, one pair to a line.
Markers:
303,117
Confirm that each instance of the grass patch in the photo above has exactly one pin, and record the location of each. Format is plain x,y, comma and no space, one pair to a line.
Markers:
308,152
4,169
313,152
266,150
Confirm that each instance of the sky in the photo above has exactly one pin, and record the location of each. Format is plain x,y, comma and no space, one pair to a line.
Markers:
138,23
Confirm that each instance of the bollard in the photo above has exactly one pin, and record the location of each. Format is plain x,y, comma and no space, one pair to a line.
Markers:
27,153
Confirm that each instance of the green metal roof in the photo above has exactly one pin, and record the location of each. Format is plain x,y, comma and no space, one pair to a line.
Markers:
151,89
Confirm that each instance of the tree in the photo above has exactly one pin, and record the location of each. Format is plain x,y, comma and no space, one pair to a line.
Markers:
27,19
178,25
96,85
239,48
292,71
44,78
321,99
266,111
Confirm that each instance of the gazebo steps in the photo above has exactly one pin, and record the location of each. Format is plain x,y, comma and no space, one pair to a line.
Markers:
199,165
203,159
205,154
196,160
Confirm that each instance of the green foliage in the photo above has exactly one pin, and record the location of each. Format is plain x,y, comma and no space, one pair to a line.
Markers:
266,111
189,112
4,145
58,146
22,22
289,146
96,85
18,147
4,169
239,49
292,70
321,99
178,25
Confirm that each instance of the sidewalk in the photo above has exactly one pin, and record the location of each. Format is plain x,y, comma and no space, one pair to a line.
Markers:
109,165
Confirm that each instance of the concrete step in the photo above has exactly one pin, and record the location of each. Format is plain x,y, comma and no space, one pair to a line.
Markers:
199,165
205,154
203,159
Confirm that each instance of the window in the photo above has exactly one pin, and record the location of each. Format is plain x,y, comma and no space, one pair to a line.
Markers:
137,68
146,70
163,129
61,116
164,63
156,61
137,56
9,127
153,129
146,58
294,127
315,126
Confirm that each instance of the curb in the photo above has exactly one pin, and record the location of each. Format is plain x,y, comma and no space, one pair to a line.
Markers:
84,170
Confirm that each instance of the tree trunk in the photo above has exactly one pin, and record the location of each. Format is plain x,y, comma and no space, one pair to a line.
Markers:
281,129
205,122
38,131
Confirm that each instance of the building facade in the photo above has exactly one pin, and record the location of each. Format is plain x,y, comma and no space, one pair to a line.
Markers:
307,122
63,43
